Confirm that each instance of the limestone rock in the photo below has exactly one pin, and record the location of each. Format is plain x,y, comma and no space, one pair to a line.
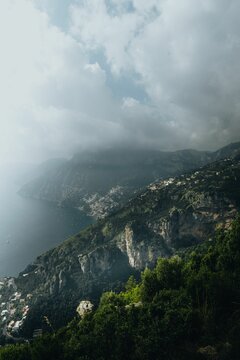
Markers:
84,308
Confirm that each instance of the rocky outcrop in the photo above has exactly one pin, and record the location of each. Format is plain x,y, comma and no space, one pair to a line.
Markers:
97,261
139,251
85,307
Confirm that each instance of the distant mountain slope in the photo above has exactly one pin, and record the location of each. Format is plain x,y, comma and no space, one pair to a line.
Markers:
101,182
167,217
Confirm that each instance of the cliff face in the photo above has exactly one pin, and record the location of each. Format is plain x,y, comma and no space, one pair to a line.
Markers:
168,216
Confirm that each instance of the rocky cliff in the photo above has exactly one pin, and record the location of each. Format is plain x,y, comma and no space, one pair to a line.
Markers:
168,216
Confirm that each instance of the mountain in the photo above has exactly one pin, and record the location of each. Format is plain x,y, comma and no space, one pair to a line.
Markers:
101,182
231,150
167,217
187,307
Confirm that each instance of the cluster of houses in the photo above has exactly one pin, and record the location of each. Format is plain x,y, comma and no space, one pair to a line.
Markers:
179,181
14,310
100,206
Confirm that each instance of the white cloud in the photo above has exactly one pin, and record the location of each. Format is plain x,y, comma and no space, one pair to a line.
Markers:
52,97
187,57
56,96
129,102
96,26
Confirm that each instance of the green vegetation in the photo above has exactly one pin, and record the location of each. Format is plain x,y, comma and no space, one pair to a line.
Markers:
186,307
167,217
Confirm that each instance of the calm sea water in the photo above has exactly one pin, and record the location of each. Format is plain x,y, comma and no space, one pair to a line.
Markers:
30,227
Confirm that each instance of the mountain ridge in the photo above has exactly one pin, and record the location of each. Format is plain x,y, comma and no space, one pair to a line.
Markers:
168,216
100,183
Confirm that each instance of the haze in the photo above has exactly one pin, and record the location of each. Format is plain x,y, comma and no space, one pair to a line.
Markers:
88,74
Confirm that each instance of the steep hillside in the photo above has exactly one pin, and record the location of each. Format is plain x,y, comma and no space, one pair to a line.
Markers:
102,182
185,308
170,215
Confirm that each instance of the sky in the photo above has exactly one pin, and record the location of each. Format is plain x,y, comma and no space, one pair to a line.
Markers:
88,74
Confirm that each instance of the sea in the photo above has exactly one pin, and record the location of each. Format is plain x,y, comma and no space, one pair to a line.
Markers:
30,227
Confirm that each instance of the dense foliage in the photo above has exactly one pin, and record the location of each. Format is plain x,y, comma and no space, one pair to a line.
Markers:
186,307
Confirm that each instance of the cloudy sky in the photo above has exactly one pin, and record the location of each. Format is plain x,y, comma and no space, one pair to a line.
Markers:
78,74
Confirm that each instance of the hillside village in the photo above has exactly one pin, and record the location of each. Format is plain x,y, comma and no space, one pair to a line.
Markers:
14,307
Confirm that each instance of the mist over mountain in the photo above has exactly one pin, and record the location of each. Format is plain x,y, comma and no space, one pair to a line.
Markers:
100,182
119,156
